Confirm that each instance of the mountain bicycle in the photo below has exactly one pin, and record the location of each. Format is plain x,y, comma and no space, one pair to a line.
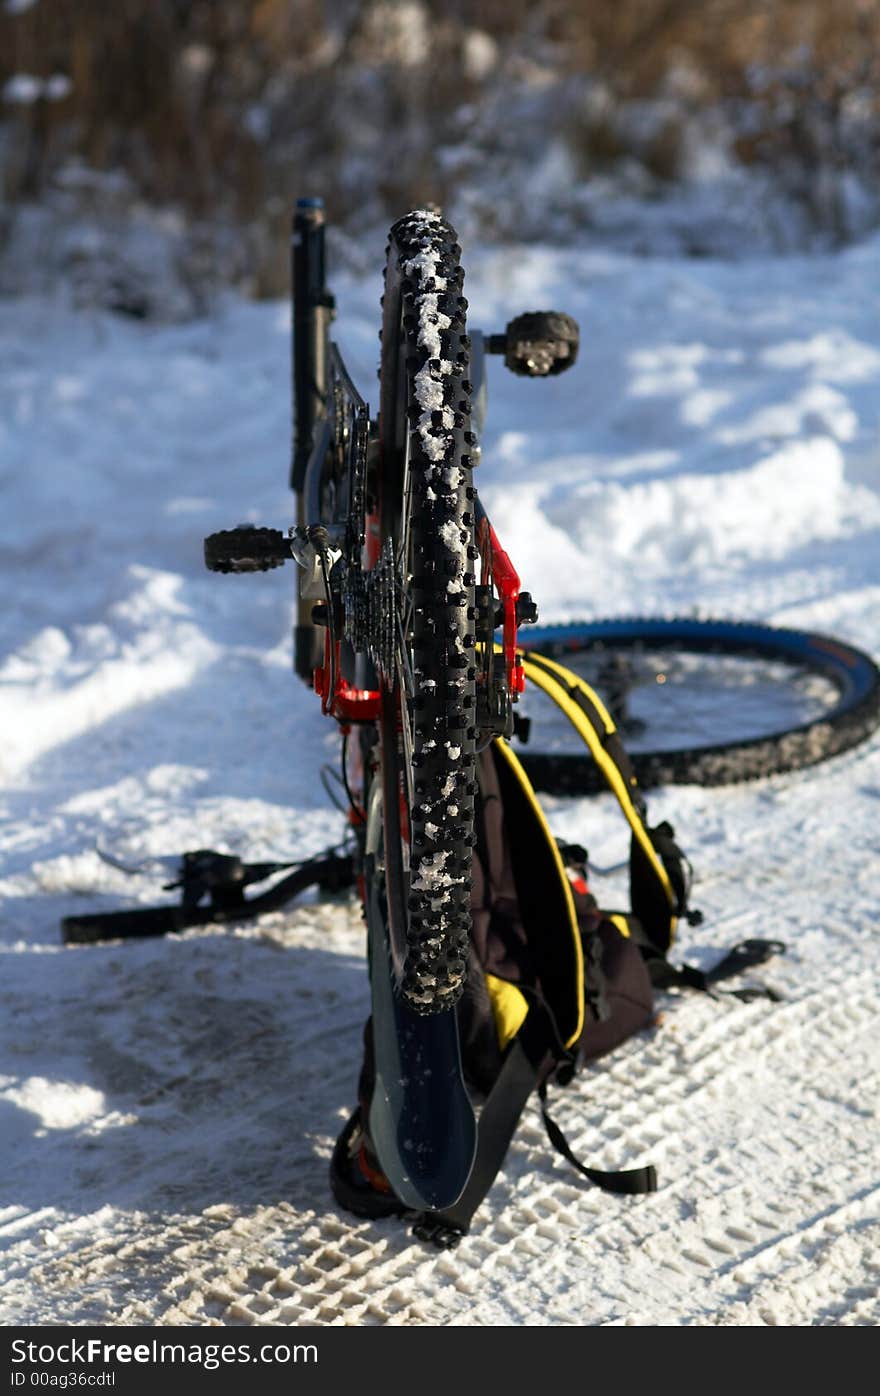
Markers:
408,623
410,629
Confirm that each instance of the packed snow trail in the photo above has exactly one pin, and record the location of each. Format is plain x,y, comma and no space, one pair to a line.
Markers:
167,1109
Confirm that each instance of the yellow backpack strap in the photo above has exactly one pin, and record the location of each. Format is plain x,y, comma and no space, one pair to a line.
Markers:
545,896
661,902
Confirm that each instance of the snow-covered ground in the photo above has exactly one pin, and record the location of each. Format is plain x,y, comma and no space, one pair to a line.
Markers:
167,1109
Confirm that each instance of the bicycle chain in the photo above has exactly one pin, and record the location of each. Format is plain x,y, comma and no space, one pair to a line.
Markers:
358,476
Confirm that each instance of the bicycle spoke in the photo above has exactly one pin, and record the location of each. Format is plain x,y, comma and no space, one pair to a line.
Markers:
405,688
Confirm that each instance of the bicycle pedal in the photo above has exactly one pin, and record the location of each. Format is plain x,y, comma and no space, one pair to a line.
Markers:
246,549
538,343
526,609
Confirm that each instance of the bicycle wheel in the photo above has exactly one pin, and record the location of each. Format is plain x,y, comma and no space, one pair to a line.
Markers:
426,563
708,702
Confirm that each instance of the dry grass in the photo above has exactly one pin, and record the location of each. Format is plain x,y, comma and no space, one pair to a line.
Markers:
232,108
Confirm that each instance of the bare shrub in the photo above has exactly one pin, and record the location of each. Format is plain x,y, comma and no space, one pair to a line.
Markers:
227,111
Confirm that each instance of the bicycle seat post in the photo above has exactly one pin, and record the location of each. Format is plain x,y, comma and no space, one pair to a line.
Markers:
312,312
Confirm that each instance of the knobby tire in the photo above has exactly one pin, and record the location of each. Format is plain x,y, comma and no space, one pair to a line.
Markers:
428,705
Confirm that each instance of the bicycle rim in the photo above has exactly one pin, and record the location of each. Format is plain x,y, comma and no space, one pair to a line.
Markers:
709,702
426,511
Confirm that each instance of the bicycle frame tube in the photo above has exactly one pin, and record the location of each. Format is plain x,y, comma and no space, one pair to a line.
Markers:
506,579
312,311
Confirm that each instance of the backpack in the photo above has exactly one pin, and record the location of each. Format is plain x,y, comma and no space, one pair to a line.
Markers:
554,981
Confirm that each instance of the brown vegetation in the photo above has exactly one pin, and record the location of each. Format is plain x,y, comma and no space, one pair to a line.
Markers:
229,109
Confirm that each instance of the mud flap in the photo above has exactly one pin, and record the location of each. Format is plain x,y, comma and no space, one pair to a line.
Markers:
422,1123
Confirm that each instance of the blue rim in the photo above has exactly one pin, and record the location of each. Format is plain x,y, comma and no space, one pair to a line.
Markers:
853,671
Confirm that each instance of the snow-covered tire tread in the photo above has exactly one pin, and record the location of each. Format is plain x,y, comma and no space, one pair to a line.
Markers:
425,320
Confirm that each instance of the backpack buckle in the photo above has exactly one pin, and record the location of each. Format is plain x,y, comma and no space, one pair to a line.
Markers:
438,1232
